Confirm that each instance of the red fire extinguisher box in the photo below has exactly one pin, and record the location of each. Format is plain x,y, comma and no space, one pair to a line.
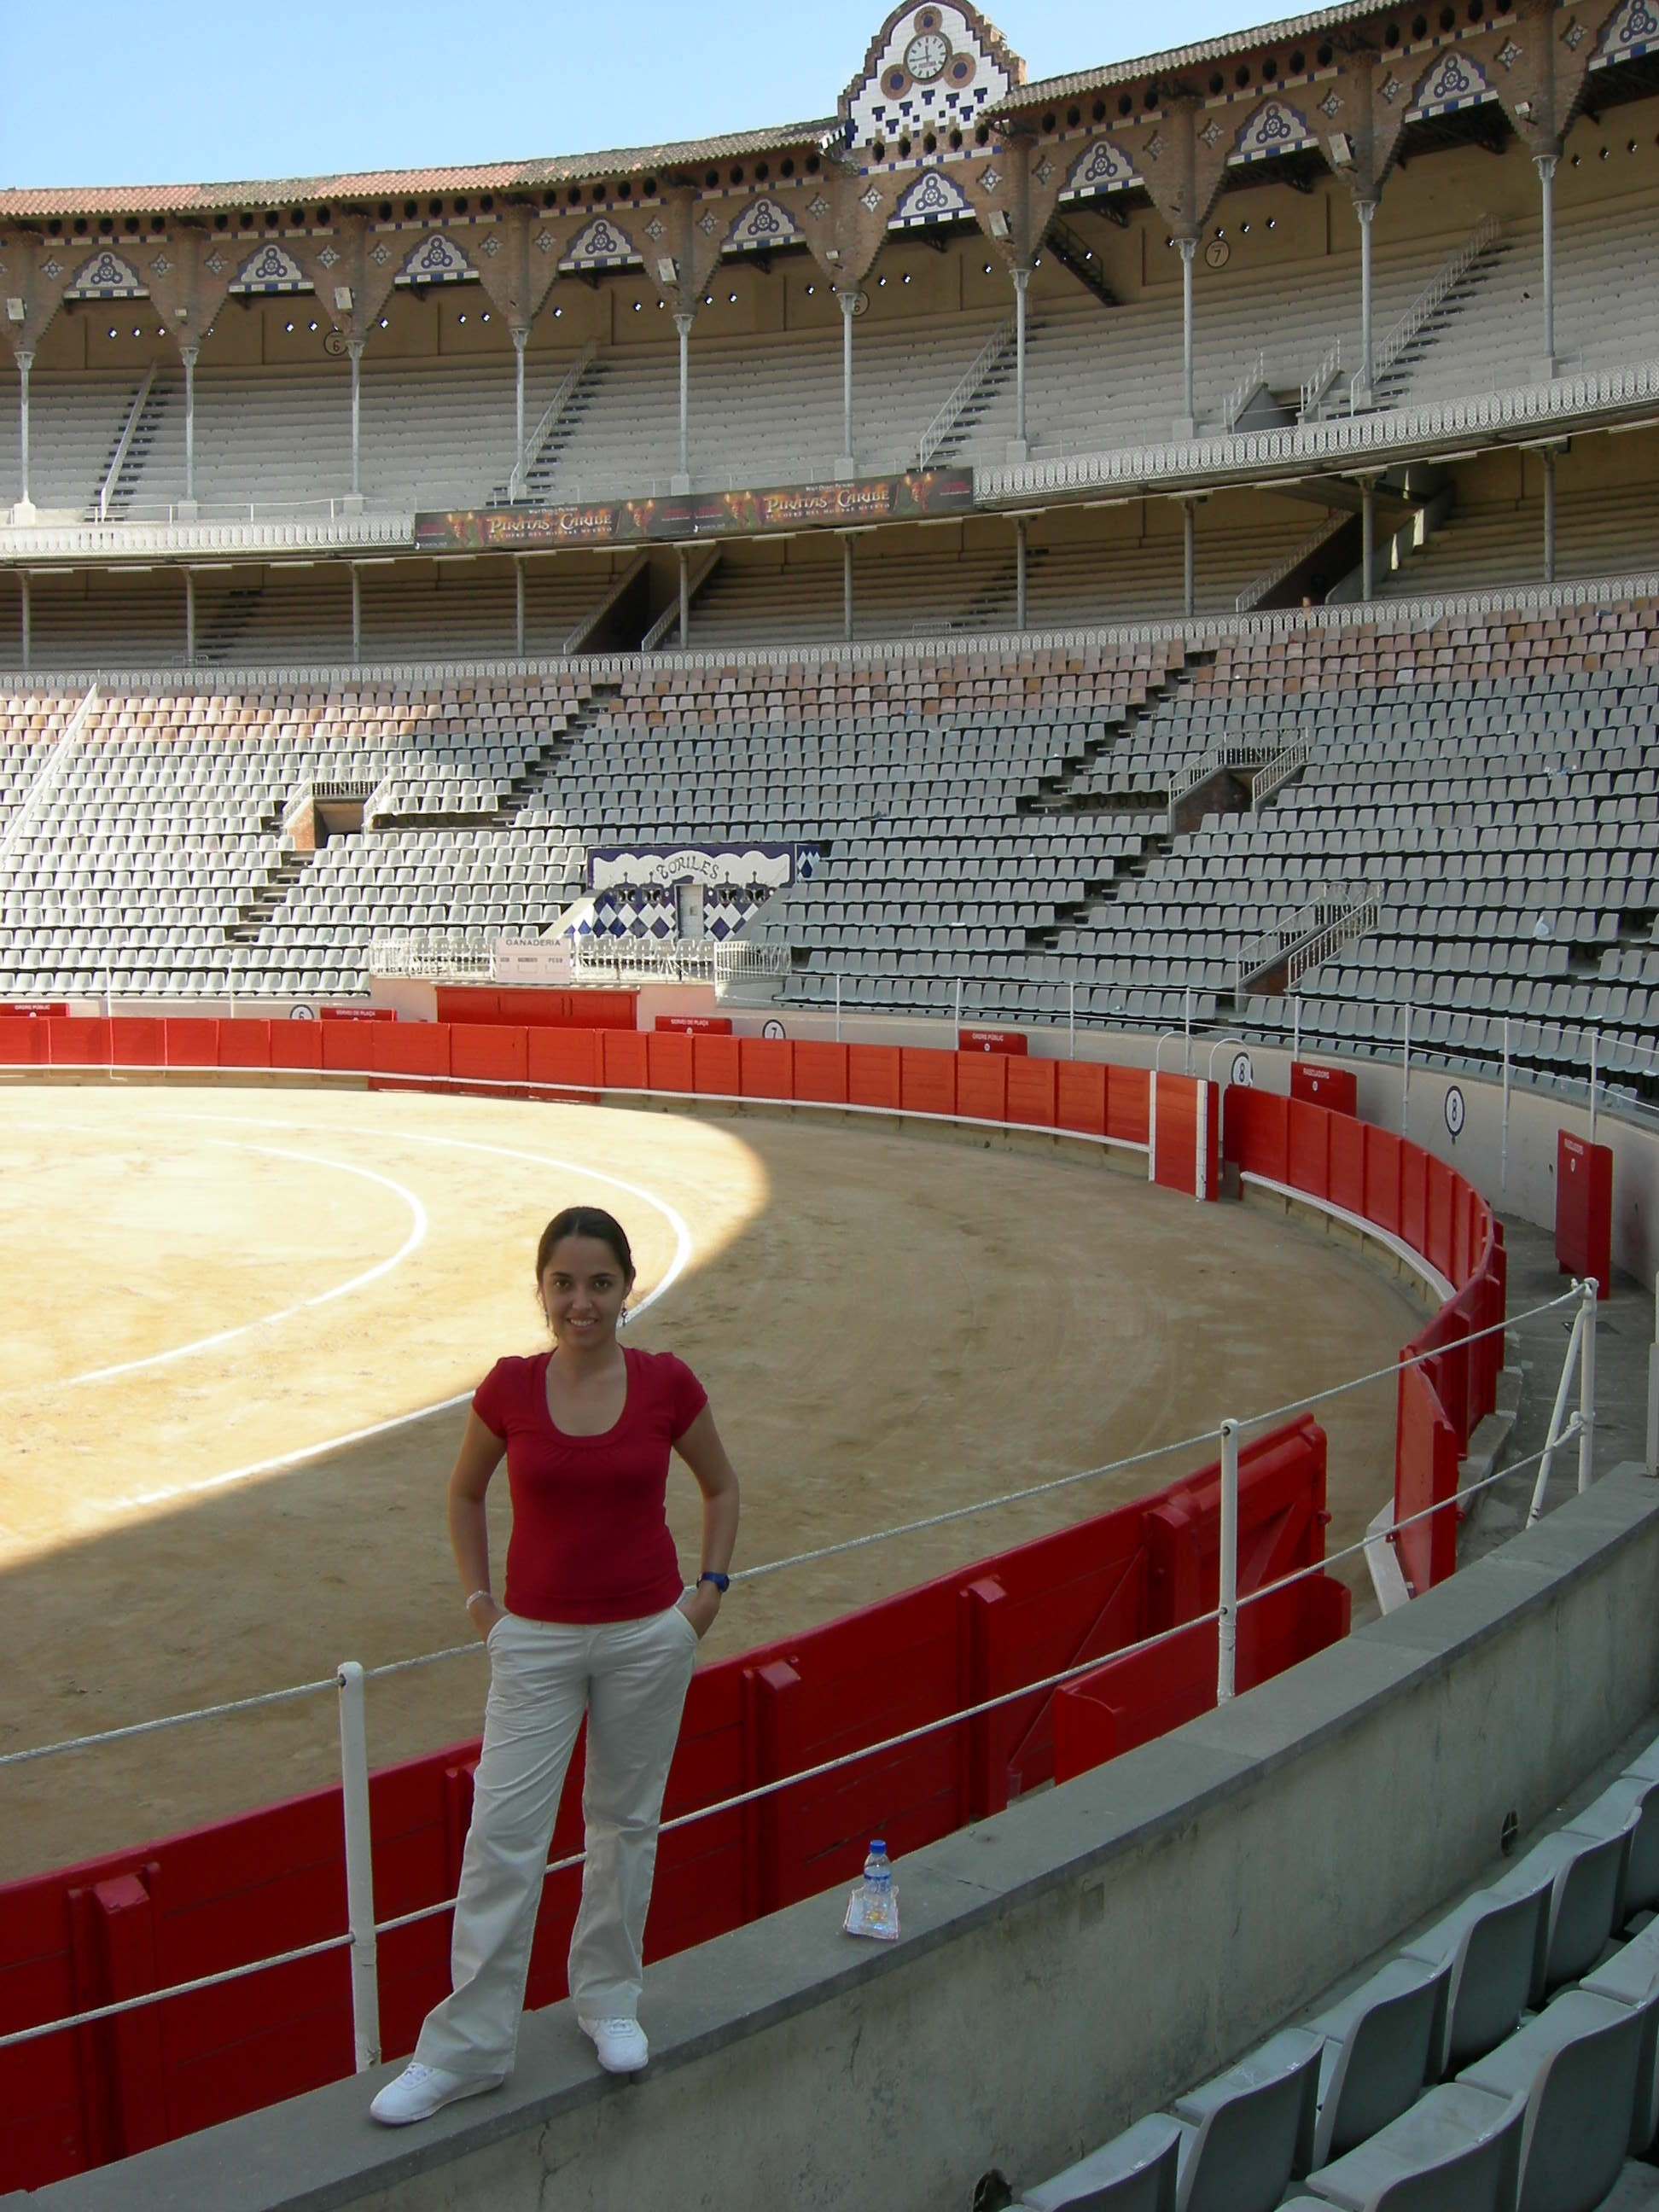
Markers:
1583,1211
1335,1087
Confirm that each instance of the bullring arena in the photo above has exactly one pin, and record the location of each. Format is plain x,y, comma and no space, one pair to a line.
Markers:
1020,722
226,1285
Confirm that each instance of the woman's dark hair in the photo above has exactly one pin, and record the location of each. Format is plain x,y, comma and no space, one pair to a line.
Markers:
586,1221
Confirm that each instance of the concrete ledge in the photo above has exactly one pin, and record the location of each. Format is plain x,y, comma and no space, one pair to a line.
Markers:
1065,1967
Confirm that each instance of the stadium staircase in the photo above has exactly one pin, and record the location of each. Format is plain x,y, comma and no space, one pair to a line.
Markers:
1467,273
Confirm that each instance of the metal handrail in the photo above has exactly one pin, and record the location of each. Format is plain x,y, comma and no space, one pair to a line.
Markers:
1268,770
1319,381
1407,324
950,414
112,474
1243,392
35,798
1341,914
551,414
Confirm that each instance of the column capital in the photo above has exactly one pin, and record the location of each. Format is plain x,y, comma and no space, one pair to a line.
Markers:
849,295
519,334
1546,165
24,357
1365,207
1021,277
684,320
1186,247
190,350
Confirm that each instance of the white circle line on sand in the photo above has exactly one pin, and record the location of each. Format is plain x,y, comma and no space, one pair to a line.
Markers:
685,1249
412,1242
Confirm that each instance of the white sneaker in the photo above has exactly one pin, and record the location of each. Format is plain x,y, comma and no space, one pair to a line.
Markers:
621,2043
419,2091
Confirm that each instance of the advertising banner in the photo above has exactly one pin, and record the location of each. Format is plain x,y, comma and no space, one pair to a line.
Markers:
866,500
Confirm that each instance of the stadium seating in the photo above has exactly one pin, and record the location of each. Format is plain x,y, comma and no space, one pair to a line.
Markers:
1548,2119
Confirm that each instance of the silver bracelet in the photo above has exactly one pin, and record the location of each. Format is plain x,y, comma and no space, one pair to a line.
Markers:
476,1596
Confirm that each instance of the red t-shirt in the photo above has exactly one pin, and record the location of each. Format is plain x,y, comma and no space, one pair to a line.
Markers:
590,1537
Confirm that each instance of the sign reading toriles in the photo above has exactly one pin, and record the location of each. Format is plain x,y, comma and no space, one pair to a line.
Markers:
698,514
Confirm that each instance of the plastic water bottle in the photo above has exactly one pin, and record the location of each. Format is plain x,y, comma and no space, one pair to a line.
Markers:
873,1909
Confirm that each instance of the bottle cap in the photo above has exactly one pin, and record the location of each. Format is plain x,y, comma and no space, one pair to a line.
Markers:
877,1845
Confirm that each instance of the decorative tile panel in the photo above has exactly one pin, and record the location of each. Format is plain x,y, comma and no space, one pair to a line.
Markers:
270,269
1455,81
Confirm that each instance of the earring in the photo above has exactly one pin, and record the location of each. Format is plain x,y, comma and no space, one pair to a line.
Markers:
622,1318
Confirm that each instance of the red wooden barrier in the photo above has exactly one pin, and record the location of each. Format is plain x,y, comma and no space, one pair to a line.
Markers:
274,1879
1184,1136
1032,1092
1080,1096
669,1059
1425,1475
1583,1211
982,1085
821,1072
1335,1087
767,1067
715,1067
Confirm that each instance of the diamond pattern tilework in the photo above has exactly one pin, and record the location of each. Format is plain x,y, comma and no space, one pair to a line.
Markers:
870,200
1509,53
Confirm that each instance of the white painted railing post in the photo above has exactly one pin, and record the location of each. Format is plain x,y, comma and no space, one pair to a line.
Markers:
1593,1039
1187,1031
1405,1058
359,1870
1587,1385
838,1006
1653,1389
1227,1605
1071,1017
958,1013
1296,1026
1503,1143
1553,1433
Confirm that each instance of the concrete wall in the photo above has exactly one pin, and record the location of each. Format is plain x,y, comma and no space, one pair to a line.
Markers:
1065,1967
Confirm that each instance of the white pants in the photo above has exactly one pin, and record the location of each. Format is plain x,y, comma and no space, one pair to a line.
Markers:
630,1678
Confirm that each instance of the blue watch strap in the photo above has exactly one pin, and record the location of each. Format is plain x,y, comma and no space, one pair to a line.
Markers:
722,1582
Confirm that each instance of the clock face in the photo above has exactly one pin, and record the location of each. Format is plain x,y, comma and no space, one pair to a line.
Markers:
925,56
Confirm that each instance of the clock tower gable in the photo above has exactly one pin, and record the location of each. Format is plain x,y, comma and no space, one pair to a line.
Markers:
933,67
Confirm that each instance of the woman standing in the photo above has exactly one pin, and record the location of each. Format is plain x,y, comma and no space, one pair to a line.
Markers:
595,1622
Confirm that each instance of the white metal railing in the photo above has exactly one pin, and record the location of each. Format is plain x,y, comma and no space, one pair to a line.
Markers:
1244,391
1393,430
1320,380
433,956
1407,324
250,526
1308,935
113,473
1266,771
550,415
680,960
33,802
967,385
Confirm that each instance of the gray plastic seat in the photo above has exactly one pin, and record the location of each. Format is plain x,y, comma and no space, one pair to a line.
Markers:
1630,1976
1380,2044
1457,2150
1577,2065
1587,1878
1630,1808
1244,2134
1237,2141
1494,1946
1136,2171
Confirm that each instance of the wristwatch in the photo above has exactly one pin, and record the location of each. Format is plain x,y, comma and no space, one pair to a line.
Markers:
722,1582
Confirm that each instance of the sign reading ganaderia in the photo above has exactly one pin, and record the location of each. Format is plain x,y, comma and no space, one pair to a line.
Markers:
698,514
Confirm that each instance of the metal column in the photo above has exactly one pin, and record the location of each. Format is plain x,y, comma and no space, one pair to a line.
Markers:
190,618
25,363
848,308
26,616
1019,572
685,602
1548,457
356,612
847,587
355,347
1187,249
188,354
521,340
1021,280
1368,538
683,479
518,603
1366,210
1545,165
1188,559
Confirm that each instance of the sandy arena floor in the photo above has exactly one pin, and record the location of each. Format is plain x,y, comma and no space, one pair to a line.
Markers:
242,1324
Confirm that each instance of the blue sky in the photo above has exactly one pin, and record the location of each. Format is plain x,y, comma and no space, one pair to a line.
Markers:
189,92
